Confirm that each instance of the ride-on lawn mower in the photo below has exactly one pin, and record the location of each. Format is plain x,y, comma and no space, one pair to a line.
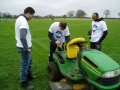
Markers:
83,69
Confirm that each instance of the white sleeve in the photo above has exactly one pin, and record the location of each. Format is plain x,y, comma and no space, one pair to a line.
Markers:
92,25
51,29
67,33
23,24
103,26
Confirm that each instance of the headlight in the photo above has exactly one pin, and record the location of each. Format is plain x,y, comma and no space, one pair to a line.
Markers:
111,74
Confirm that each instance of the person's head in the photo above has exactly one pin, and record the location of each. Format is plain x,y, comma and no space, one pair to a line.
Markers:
95,16
29,12
62,25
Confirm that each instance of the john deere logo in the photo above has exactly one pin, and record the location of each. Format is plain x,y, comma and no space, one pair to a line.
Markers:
116,72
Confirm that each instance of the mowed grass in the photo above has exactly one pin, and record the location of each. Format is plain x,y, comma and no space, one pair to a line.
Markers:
9,57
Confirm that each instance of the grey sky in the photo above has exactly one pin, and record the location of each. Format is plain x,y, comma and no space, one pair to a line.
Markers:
60,7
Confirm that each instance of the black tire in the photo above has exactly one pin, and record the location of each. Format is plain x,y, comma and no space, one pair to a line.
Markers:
118,88
53,71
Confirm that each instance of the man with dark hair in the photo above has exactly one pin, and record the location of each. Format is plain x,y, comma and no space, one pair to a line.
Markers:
57,32
99,32
24,46
30,10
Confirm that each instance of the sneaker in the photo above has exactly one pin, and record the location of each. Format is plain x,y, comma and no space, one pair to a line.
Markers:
25,85
29,77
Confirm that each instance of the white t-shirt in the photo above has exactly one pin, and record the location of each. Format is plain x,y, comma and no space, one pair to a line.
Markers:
97,30
57,33
21,22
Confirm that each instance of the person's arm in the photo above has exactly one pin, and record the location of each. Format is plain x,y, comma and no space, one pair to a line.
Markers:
50,35
67,38
90,31
105,31
103,36
23,33
67,35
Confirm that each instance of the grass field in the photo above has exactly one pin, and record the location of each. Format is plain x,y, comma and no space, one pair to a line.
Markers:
9,57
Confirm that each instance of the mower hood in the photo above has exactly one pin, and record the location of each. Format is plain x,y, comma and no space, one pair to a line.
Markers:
99,60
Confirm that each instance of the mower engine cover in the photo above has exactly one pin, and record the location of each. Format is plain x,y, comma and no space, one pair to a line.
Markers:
100,70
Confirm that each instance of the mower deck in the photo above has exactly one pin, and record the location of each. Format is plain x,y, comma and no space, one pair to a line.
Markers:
64,85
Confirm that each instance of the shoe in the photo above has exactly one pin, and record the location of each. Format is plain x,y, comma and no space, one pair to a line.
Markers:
25,85
29,77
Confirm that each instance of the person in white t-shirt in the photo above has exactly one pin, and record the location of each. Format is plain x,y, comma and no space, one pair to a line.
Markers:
24,46
58,33
98,33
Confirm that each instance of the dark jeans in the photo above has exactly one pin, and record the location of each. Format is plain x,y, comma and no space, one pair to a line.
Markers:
25,64
53,47
96,45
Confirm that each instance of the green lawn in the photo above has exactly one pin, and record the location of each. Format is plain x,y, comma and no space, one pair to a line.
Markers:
9,57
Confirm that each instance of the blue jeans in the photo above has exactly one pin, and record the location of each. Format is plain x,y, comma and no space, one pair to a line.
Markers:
25,64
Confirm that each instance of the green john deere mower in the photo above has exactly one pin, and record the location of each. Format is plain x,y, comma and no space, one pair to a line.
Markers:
77,68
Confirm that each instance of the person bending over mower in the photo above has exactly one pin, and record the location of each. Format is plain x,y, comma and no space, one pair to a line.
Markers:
57,32
98,33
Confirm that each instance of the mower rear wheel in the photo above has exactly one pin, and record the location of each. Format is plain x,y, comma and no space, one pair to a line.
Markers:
53,71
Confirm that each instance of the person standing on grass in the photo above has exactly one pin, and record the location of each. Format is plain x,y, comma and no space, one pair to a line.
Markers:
98,33
57,32
24,46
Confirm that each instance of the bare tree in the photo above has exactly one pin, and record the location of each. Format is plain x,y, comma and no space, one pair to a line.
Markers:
106,13
119,14
71,14
80,13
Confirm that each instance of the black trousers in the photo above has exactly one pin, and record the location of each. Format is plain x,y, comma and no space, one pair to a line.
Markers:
53,47
96,45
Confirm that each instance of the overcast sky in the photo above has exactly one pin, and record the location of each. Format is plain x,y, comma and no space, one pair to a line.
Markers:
60,7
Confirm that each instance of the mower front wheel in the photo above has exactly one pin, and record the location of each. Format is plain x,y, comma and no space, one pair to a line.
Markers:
53,71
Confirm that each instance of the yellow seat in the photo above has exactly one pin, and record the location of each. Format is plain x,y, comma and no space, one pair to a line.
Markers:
72,48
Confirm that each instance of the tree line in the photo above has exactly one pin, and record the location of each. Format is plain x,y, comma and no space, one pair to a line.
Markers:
71,14
80,13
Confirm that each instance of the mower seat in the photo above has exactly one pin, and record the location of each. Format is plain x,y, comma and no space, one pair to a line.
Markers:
72,48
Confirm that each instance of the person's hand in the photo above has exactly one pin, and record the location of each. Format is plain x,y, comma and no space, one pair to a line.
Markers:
58,42
60,45
89,32
29,50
